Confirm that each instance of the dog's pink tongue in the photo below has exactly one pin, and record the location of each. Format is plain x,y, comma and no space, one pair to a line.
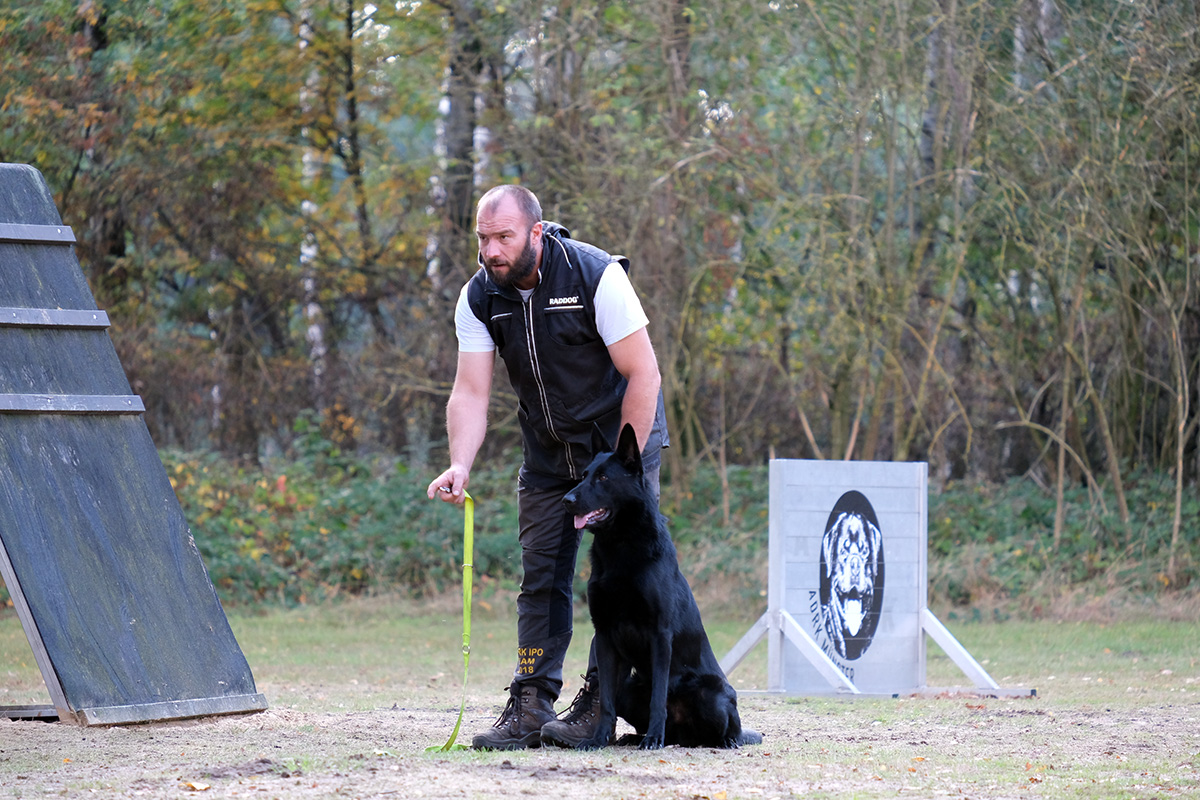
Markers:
581,520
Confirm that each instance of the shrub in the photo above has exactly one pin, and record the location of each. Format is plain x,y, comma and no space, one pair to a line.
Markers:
994,543
324,522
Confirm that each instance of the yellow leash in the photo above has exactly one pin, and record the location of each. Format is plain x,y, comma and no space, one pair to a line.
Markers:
468,571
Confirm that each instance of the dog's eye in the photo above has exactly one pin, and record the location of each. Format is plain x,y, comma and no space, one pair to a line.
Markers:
601,477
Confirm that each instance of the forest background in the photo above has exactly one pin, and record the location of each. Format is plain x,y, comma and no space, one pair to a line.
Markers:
961,233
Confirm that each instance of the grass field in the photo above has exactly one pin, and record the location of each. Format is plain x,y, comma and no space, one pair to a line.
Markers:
359,690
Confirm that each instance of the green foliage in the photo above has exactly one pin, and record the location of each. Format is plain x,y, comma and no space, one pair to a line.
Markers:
325,523
906,230
962,234
994,544
728,563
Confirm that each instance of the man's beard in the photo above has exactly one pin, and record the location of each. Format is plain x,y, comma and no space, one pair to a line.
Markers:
520,269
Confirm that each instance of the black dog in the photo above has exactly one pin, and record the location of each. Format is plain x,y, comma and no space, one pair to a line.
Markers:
656,668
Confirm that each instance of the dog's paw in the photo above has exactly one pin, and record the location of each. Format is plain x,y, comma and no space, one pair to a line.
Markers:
749,737
595,743
651,742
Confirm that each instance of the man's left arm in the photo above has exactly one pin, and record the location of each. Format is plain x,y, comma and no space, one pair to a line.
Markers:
634,358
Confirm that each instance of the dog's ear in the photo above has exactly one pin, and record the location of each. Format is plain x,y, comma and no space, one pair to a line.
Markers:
829,546
600,442
628,450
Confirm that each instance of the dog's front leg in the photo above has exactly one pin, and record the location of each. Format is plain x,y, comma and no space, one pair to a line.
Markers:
608,675
660,659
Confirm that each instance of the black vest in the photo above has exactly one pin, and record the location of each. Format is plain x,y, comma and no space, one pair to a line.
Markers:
557,363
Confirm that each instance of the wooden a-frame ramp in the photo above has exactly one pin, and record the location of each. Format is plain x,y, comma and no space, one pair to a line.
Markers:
110,588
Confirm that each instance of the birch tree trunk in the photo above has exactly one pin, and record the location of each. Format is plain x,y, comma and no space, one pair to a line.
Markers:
314,316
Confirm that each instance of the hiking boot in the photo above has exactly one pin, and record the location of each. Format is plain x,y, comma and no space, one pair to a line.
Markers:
578,723
520,724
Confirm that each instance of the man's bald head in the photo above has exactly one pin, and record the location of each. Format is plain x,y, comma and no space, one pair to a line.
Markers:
527,202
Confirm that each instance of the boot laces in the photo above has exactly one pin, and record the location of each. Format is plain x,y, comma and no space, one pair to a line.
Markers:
581,707
511,712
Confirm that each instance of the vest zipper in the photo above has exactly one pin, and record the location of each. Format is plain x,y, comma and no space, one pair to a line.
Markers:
541,386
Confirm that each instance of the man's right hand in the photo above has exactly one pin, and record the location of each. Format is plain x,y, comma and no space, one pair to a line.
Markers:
450,486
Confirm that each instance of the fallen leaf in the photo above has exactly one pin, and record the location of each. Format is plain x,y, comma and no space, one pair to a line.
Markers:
196,786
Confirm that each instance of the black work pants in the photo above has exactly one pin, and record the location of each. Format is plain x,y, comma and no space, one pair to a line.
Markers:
549,547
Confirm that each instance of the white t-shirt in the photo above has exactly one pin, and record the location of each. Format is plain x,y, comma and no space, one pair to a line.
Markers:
618,313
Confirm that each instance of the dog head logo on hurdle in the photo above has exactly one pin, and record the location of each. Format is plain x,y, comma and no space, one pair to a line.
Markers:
851,575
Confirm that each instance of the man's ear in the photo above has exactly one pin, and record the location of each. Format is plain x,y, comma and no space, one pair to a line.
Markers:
628,450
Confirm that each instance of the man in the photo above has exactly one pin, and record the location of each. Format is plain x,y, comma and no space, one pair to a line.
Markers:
572,334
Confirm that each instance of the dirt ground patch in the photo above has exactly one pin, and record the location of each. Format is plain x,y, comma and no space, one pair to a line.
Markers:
358,692
952,746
